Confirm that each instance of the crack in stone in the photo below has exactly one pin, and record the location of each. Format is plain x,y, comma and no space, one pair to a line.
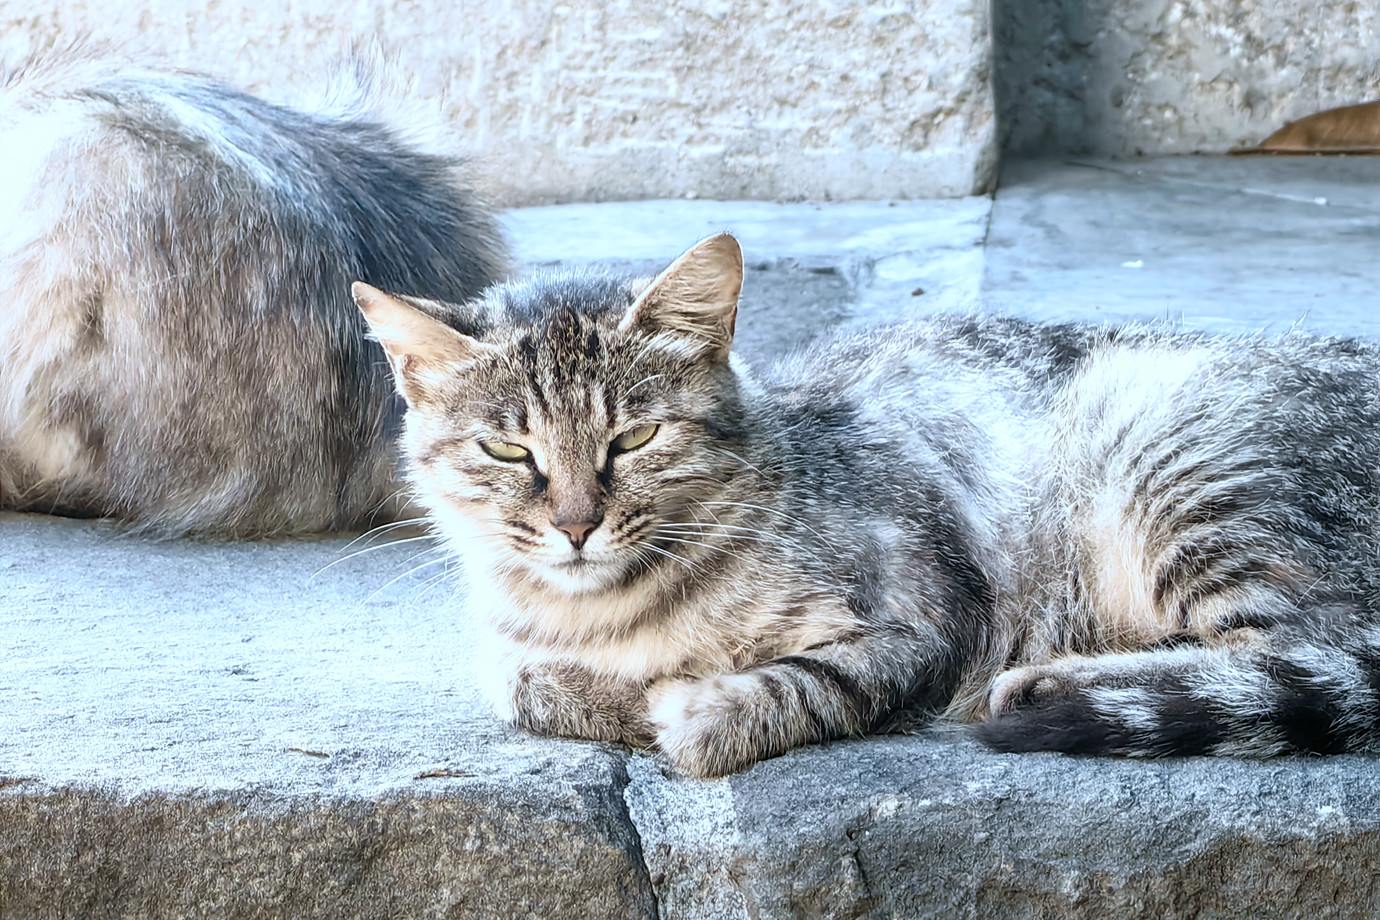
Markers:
636,833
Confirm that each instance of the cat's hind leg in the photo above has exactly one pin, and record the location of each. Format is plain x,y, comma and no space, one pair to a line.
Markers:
1260,695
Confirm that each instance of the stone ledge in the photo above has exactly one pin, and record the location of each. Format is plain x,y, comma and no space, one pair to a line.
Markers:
269,729
938,827
486,850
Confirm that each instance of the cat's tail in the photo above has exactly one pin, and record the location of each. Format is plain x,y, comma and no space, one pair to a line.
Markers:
1258,701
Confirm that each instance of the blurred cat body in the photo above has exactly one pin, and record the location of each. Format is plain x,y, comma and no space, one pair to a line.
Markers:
1097,541
177,344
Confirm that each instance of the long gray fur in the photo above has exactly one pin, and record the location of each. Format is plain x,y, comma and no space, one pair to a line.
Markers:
179,346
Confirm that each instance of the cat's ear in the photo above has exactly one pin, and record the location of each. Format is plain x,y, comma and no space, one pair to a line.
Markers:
423,351
697,296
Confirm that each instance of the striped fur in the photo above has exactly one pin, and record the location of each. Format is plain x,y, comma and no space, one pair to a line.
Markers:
1091,541
178,348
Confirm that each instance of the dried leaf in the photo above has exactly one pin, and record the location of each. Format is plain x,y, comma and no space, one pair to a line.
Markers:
297,750
443,774
1353,129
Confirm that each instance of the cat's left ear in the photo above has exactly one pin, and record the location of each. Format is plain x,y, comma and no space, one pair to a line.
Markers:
696,296
423,350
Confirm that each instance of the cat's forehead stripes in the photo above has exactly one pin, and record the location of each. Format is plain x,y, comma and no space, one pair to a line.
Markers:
513,418
564,366
567,367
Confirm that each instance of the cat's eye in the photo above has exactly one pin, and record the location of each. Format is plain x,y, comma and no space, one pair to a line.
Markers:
502,450
633,438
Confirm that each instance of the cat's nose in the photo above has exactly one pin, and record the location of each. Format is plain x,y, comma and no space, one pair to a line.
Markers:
577,531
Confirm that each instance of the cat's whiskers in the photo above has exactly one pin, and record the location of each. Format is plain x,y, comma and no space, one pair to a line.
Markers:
392,581
728,453
370,549
788,518
733,531
629,530
431,583
661,550
681,540
698,522
645,380
647,347
394,525
386,528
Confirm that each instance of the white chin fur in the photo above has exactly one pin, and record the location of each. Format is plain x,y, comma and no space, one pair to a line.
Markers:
592,575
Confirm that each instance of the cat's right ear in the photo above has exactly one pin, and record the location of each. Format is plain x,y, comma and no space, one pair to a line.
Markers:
423,351
696,297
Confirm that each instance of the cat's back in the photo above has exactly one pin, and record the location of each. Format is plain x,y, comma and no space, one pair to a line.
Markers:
1012,418
1259,393
970,395
921,436
932,378
180,345
1010,351
90,133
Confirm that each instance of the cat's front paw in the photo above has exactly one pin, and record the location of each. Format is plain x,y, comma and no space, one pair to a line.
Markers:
566,701
709,727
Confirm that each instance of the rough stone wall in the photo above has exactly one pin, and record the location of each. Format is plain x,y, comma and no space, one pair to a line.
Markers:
587,100
1131,77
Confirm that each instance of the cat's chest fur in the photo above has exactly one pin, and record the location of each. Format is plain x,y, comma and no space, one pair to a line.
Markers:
653,629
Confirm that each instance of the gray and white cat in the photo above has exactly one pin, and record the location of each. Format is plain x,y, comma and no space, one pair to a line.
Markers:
178,348
1097,541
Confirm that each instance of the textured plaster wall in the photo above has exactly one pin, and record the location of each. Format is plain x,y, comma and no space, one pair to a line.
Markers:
1129,77
589,100
782,99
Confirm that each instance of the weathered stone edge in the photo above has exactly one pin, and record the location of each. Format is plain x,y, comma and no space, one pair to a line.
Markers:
472,850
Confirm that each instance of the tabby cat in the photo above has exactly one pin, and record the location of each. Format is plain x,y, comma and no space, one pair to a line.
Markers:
178,348
1095,541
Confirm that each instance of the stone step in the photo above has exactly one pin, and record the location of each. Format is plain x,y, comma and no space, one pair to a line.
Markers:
288,728
275,729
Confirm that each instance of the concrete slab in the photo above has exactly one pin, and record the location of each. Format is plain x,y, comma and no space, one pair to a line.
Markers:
936,827
288,729
1226,243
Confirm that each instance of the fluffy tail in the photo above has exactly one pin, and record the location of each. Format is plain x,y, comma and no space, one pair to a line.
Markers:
1253,702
